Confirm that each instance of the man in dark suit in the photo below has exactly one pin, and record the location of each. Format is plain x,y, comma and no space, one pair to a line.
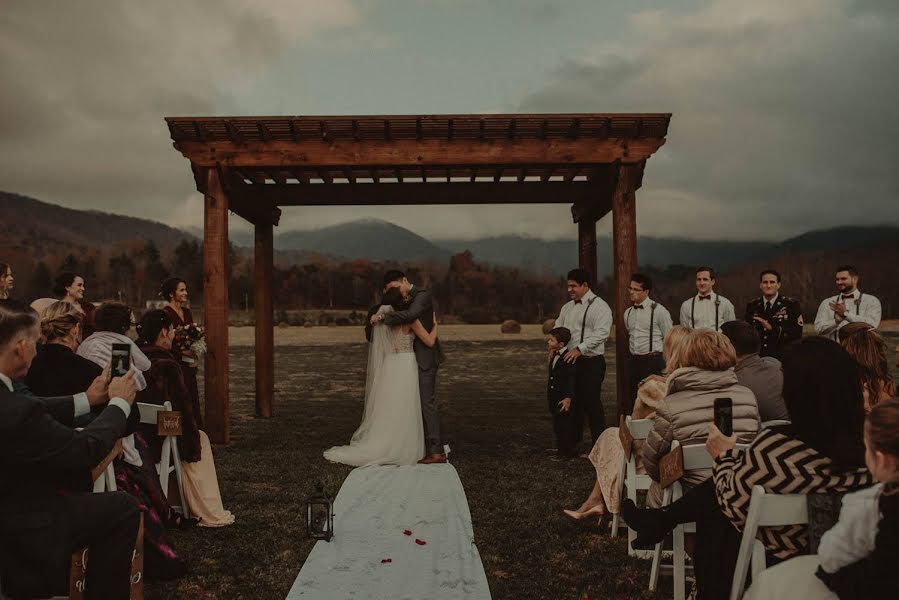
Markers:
420,308
776,318
39,454
560,386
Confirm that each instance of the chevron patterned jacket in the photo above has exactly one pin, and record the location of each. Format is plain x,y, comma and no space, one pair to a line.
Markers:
781,465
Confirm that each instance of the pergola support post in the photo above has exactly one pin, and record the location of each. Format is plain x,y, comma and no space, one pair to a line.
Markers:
215,307
624,241
265,340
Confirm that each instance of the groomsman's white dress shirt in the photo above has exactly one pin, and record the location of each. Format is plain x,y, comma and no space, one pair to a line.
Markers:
860,307
707,312
637,320
596,327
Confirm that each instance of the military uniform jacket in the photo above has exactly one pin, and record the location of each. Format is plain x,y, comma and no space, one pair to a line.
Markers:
785,317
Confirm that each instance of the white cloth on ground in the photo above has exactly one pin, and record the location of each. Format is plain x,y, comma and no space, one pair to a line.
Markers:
373,508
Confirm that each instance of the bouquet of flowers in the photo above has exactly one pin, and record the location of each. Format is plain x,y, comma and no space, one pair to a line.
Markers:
190,338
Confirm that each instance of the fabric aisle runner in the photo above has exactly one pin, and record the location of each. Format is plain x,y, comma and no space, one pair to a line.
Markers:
373,508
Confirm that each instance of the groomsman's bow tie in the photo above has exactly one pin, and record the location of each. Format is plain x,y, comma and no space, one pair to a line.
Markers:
640,306
847,296
578,302
709,297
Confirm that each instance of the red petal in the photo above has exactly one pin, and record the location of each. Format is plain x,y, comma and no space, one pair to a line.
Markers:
387,560
420,542
408,532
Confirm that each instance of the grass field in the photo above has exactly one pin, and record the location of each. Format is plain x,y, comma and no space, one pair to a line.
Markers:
494,417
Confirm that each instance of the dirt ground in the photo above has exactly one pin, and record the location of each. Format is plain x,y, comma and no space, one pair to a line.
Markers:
495,419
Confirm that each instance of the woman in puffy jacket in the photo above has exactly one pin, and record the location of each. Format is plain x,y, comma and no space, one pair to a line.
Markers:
706,372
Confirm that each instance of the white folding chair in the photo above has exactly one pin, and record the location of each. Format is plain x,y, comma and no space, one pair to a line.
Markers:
695,457
103,475
170,460
774,423
765,510
629,479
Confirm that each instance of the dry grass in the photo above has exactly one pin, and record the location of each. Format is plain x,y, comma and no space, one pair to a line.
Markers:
494,417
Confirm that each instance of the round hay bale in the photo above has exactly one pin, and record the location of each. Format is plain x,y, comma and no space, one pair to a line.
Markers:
307,324
510,326
283,325
332,324
548,326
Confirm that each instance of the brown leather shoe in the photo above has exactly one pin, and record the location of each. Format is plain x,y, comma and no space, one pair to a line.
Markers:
433,459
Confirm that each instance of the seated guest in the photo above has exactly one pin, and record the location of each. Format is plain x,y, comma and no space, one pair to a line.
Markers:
867,347
58,371
607,452
165,382
821,451
857,557
6,281
69,287
761,375
40,526
705,372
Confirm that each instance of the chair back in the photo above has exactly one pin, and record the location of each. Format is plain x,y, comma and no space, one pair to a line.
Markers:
765,510
639,428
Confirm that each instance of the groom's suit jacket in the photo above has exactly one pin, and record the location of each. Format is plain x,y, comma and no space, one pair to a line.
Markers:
421,308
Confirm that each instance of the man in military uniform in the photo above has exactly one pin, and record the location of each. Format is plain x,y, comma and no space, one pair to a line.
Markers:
777,318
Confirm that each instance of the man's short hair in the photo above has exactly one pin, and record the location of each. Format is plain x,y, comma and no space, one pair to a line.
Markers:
743,336
770,272
15,318
579,276
712,274
562,334
643,280
853,272
393,275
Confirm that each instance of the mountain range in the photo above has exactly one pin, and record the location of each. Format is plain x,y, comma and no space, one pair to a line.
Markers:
37,228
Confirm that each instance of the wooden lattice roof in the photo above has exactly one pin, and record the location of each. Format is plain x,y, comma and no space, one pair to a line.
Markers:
513,158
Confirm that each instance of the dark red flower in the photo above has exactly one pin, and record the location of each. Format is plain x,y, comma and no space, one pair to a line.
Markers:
386,560
408,532
420,542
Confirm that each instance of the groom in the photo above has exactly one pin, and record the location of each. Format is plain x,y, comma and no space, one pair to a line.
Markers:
420,308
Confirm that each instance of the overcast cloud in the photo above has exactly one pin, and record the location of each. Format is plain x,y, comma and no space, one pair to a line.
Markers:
784,112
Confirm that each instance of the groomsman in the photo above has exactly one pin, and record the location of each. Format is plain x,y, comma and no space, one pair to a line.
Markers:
647,323
849,306
589,319
776,318
707,309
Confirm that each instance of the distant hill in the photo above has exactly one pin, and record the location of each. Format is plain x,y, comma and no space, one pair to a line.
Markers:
40,229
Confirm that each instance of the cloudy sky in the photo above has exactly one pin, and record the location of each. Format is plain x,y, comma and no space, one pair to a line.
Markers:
784,120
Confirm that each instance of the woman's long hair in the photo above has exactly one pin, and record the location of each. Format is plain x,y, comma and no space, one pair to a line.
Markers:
869,350
824,398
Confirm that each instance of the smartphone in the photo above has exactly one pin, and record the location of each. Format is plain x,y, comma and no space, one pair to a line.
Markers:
121,360
724,415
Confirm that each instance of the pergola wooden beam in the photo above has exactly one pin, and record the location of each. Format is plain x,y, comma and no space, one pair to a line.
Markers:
592,161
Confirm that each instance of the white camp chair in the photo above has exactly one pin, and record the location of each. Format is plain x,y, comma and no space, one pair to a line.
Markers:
628,478
765,510
170,460
696,457
774,423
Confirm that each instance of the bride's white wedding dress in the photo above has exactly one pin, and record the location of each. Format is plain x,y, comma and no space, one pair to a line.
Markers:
391,432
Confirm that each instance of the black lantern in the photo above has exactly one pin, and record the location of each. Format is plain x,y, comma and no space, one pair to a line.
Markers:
320,516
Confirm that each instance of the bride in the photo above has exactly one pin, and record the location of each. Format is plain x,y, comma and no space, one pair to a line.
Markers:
391,432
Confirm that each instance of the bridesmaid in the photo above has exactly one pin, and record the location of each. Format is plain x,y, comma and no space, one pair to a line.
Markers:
69,287
174,292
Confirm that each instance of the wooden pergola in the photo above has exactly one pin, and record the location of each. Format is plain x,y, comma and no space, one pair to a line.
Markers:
251,166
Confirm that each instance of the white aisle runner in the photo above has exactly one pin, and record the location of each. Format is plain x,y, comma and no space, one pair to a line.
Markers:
373,509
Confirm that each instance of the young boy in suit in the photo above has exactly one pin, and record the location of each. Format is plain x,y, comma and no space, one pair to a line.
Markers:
560,392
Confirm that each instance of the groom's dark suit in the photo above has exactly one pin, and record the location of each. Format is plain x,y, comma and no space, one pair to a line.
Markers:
421,308
39,526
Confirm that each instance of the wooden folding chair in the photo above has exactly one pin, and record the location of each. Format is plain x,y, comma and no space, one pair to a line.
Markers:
630,431
765,510
168,426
